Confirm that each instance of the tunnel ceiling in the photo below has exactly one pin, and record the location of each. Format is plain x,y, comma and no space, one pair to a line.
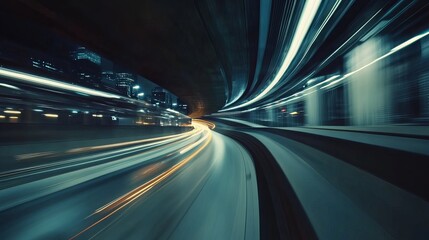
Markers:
209,53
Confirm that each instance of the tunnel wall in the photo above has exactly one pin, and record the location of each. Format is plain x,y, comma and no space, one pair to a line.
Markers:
375,87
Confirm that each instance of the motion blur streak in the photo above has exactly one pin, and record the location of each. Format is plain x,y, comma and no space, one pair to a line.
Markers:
245,119
304,23
25,77
157,140
392,51
209,124
164,141
187,168
136,193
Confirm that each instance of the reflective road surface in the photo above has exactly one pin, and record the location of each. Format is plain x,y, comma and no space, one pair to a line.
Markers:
194,185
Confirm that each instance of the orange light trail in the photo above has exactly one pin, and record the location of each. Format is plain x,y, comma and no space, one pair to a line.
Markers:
136,193
209,124
107,146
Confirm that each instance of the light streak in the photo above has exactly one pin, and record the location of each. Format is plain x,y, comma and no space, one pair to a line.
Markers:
33,79
123,144
331,12
156,140
209,124
50,115
171,110
136,193
304,23
351,37
194,144
337,78
9,86
12,111
392,51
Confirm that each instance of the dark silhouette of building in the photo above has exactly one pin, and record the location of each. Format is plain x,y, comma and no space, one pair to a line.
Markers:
182,107
125,82
86,67
161,97
108,78
23,58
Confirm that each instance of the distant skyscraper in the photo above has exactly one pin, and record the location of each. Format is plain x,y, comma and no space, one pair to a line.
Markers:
109,78
38,62
86,67
81,53
45,65
125,82
161,97
182,107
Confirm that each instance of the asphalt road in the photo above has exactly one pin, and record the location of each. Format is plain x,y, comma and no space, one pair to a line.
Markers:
195,185
233,182
348,184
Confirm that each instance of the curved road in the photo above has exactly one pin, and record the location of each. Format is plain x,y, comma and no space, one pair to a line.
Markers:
197,185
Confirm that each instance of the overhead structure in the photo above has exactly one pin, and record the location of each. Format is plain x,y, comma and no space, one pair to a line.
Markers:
225,55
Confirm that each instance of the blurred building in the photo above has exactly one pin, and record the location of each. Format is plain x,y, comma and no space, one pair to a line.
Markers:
161,97
45,64
81,53
108,78
86,67
125,82
181,107
21,57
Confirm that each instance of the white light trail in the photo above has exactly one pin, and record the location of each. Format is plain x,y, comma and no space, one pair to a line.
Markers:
9,86
33,79
304,23
50,115
12,111
392,51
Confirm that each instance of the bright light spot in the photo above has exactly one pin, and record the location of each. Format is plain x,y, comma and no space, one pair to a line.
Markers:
140,94
2,116
38,110
12,111
97,115
50,115
74,111
114,118
13,117
293,113
136,87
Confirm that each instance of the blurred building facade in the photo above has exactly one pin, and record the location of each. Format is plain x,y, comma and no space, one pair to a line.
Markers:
125,82
383,80
24,58
161,97
86,67
181,107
